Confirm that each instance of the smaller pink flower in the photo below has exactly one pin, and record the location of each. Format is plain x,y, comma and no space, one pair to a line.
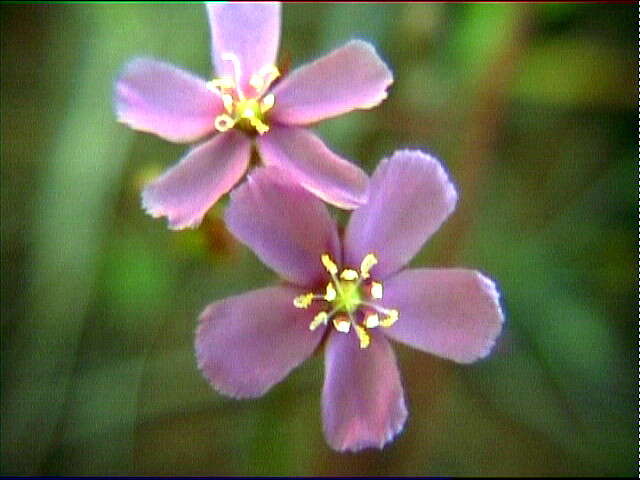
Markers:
351,294
246,102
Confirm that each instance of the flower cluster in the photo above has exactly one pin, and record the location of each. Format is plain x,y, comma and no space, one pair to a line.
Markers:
348,294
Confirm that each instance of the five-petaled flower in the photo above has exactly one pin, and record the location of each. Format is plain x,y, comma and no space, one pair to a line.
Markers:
244,103
350,293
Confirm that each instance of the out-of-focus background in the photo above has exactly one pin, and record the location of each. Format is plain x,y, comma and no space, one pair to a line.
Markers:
533,110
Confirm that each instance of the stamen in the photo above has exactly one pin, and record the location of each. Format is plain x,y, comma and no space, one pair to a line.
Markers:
223,122
257,82
391,313
319,319
367,264
217,85
270,72
259,125
331,267
330,294
376,290
390,319
341,324
349,275
372,320
263,79
303,301
363,336
267,103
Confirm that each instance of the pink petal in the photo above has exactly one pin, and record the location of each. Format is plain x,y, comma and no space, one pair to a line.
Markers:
286,226
248,343
187,190
452,313
410,196
351,77
251,31
307,159
362,399
156,97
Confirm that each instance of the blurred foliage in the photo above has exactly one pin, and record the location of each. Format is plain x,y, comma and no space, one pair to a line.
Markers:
531,107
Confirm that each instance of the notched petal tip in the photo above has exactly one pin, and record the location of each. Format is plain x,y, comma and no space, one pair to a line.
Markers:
428,161
452,313
411,197
355,445
351,77
488,287
187,190
385,72
174,222
431,166
363,402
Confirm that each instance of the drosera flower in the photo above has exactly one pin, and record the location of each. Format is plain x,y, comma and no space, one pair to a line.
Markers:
247,101
349,294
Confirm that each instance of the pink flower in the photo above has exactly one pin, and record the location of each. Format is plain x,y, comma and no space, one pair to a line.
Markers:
352,293
245,103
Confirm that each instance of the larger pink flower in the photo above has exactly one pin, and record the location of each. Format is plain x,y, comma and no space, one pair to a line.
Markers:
244,103
351,292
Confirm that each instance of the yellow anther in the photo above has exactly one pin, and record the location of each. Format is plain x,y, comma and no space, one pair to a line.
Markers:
342,325
330,294
263,79
331,267
223,122
367,264
376,290
349,275
390,319
259,125
257,82
248,113
372,320
363,336
320,319
267,103
303,301
270,71
218,84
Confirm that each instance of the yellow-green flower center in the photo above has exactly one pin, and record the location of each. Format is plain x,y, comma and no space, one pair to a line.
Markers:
349,298
245,113
353,299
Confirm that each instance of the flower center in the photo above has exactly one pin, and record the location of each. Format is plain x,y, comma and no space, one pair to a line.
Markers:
352,299
349,298
245,113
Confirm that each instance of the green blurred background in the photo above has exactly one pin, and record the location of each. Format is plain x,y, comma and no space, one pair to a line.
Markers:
533,110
